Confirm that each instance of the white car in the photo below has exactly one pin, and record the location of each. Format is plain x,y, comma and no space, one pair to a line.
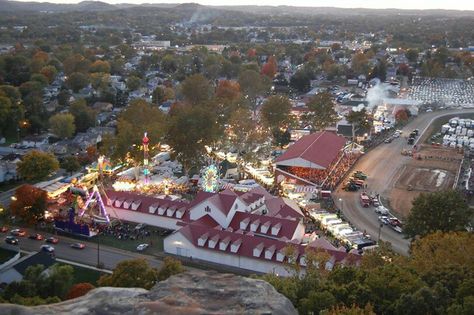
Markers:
142,247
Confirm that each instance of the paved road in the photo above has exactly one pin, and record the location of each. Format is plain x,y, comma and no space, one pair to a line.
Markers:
88,256
382,165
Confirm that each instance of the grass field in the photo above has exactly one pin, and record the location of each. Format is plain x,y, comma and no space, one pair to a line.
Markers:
155,242
86,275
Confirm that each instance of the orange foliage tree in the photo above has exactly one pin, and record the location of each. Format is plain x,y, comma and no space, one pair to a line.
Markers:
228,90
401,115
79,289
29,203
270,68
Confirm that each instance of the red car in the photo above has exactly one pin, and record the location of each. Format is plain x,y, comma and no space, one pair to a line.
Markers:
18,232
52,240
36,236
4,229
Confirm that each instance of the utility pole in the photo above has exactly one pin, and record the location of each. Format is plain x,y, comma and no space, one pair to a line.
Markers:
380,230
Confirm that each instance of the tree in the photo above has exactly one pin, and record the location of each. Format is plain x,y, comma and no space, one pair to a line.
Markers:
275,112
59,281
301,80
444,211
196,89
270,68
321,111
77,81
401,115
169,64
84,116
190,130
29,203
360,118
440,249
229,90
37,165
5,113
360,63
133,83
49,72
252,85
412,55
62,125
169,268
79,289
162,94
135,273
100,66
70,164
138,118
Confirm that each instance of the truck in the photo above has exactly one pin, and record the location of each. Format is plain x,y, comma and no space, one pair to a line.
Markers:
364,200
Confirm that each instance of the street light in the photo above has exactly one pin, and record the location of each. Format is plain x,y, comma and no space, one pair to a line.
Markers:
380,230
342,204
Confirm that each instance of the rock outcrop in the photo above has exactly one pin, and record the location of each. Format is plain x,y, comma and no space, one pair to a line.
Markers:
189,293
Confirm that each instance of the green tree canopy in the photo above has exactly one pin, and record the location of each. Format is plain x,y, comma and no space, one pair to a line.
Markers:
37,165
62,125
321,111
196,89
84,116
135,273
444,211
77,81
133,83
275,112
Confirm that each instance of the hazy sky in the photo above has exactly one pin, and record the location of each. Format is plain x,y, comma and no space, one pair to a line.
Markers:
378,4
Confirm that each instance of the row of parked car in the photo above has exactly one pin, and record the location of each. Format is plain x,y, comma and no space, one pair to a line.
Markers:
356,181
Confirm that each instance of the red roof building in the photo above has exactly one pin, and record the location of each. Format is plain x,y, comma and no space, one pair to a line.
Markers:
314,160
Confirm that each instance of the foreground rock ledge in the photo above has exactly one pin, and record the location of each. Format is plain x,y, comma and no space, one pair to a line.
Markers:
189,293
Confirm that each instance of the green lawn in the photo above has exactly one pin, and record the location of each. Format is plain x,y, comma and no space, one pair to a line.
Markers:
6,254
155,242
86,275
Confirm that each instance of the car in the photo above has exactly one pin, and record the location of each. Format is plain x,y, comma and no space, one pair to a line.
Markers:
47,248
384,219
36,236
140,226
78,245
388,140
397,229
11,240
142,247
4,229
18,232
52,240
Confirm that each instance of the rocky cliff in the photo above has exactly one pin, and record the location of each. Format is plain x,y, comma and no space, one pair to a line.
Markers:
190,293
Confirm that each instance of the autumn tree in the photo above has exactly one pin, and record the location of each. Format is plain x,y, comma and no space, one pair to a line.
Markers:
270,68
360,63
162,94
62,125
70,164
37,165
229,90
321,111
100,66
135,273
29,203
444,211
79,289
401,115
196,89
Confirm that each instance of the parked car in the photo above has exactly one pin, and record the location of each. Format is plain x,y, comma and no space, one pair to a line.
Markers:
11,240
52,240
47,248
140,226
4,229
384,219
36,236
78,245
18,232
142,247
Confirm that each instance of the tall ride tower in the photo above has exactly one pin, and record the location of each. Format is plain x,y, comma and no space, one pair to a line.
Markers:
146,171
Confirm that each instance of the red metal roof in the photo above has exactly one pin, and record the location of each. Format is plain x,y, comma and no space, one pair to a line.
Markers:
287,227
320,148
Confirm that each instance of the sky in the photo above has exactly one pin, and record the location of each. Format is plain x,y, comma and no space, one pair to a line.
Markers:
376,4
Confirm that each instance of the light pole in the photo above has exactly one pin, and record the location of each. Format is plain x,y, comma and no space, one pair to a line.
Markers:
380,230
342,204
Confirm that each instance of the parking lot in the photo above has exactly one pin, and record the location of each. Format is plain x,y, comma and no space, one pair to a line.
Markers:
450,92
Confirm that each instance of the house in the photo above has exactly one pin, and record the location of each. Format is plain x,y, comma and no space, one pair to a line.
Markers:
8,165
102,106
34,141
16,271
